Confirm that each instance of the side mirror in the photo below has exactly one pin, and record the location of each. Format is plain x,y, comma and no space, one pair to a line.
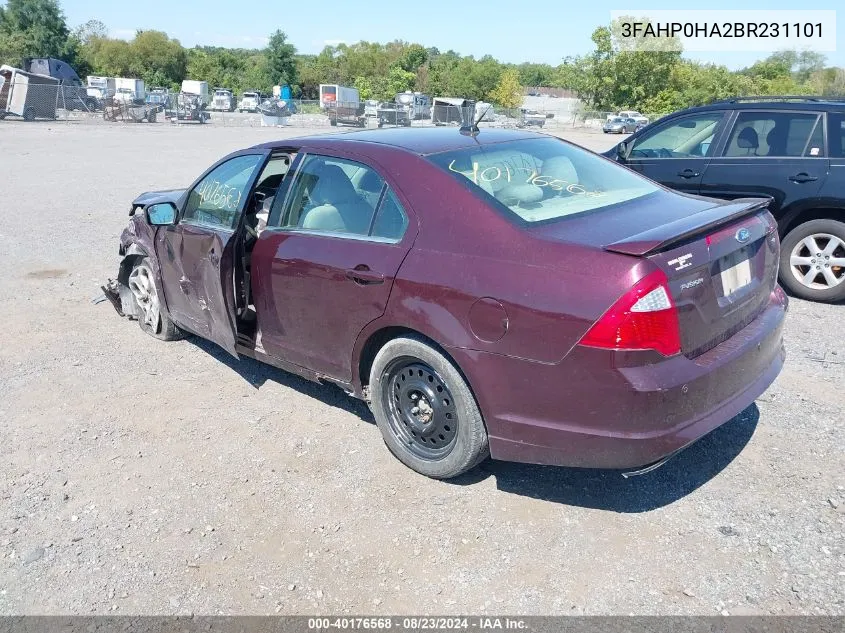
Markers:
161,214
622,150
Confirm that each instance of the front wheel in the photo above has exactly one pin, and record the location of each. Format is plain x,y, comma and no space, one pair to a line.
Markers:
144,289
425,410
812,261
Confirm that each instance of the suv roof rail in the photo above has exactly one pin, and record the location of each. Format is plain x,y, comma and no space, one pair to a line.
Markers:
812,98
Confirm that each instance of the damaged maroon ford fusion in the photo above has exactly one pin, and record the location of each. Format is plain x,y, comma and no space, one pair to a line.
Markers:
500,293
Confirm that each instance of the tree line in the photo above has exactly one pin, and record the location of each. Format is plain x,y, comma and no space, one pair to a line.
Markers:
613,76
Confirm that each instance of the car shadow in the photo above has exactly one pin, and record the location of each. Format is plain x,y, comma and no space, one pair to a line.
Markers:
257,373
582,487
608,490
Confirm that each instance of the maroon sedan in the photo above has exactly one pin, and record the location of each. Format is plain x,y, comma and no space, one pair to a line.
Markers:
503,293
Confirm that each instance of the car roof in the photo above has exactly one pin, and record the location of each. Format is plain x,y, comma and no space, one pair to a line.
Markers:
420,140
812,104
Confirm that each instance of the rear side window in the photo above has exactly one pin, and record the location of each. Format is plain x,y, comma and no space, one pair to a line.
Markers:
539,180
766,134
343,198
815,147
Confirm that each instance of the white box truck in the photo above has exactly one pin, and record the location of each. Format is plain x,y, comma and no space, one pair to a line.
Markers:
100,87
199,88
342,105
129,89
333,94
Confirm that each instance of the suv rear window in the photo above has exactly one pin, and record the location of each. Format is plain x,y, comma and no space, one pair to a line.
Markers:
543,179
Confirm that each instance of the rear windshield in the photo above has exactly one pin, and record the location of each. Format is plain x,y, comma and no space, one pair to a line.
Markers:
543,179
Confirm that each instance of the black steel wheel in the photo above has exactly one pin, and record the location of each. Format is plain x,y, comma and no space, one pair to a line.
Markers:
422,413
425,410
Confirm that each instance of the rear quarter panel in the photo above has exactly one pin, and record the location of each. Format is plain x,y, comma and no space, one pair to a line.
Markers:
550,292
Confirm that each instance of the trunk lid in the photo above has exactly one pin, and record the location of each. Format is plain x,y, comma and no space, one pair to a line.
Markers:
720,277
720,258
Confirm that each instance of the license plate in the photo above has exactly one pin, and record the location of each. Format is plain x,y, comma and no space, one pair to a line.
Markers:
735,271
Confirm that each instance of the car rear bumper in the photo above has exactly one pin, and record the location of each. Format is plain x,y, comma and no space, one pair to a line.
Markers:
628,416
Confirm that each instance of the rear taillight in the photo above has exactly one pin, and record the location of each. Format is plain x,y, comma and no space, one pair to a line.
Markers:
643,318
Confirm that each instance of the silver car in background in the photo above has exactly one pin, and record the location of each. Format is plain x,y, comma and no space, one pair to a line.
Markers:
619,125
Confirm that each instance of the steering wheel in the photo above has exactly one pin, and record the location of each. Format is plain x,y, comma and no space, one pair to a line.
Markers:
664,153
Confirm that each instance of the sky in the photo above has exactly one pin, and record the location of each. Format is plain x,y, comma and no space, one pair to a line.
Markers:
538,31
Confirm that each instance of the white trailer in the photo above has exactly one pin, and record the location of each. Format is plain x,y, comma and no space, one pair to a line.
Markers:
27,95
129,89
199,88
332,95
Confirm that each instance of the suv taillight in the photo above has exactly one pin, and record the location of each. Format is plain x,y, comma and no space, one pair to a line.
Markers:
645,317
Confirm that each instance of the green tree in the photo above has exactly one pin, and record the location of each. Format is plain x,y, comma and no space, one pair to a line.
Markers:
508,93
34,28
91,30
157,59
535,74
281,64
413,57
398,80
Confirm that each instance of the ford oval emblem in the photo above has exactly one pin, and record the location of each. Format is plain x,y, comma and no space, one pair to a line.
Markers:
742,236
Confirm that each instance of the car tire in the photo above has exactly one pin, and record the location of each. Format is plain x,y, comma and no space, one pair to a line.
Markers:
145,290
445,435
29,114
797,261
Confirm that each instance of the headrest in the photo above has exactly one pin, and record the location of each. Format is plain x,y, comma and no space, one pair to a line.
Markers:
748,138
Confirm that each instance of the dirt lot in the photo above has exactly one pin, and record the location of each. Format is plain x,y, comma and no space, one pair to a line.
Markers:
145,477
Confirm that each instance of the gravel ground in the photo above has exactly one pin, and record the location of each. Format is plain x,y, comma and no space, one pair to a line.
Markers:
150,478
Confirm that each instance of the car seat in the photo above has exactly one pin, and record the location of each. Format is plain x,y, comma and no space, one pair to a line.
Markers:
560,169
370,187
748,140
776,139
338,206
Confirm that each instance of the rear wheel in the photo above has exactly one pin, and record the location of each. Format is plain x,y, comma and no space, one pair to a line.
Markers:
812,264
425,410
148,302
29,114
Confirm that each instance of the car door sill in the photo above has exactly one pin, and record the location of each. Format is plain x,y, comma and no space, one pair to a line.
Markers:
298,370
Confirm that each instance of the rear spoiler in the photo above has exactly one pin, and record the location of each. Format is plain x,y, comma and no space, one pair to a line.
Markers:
662,237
